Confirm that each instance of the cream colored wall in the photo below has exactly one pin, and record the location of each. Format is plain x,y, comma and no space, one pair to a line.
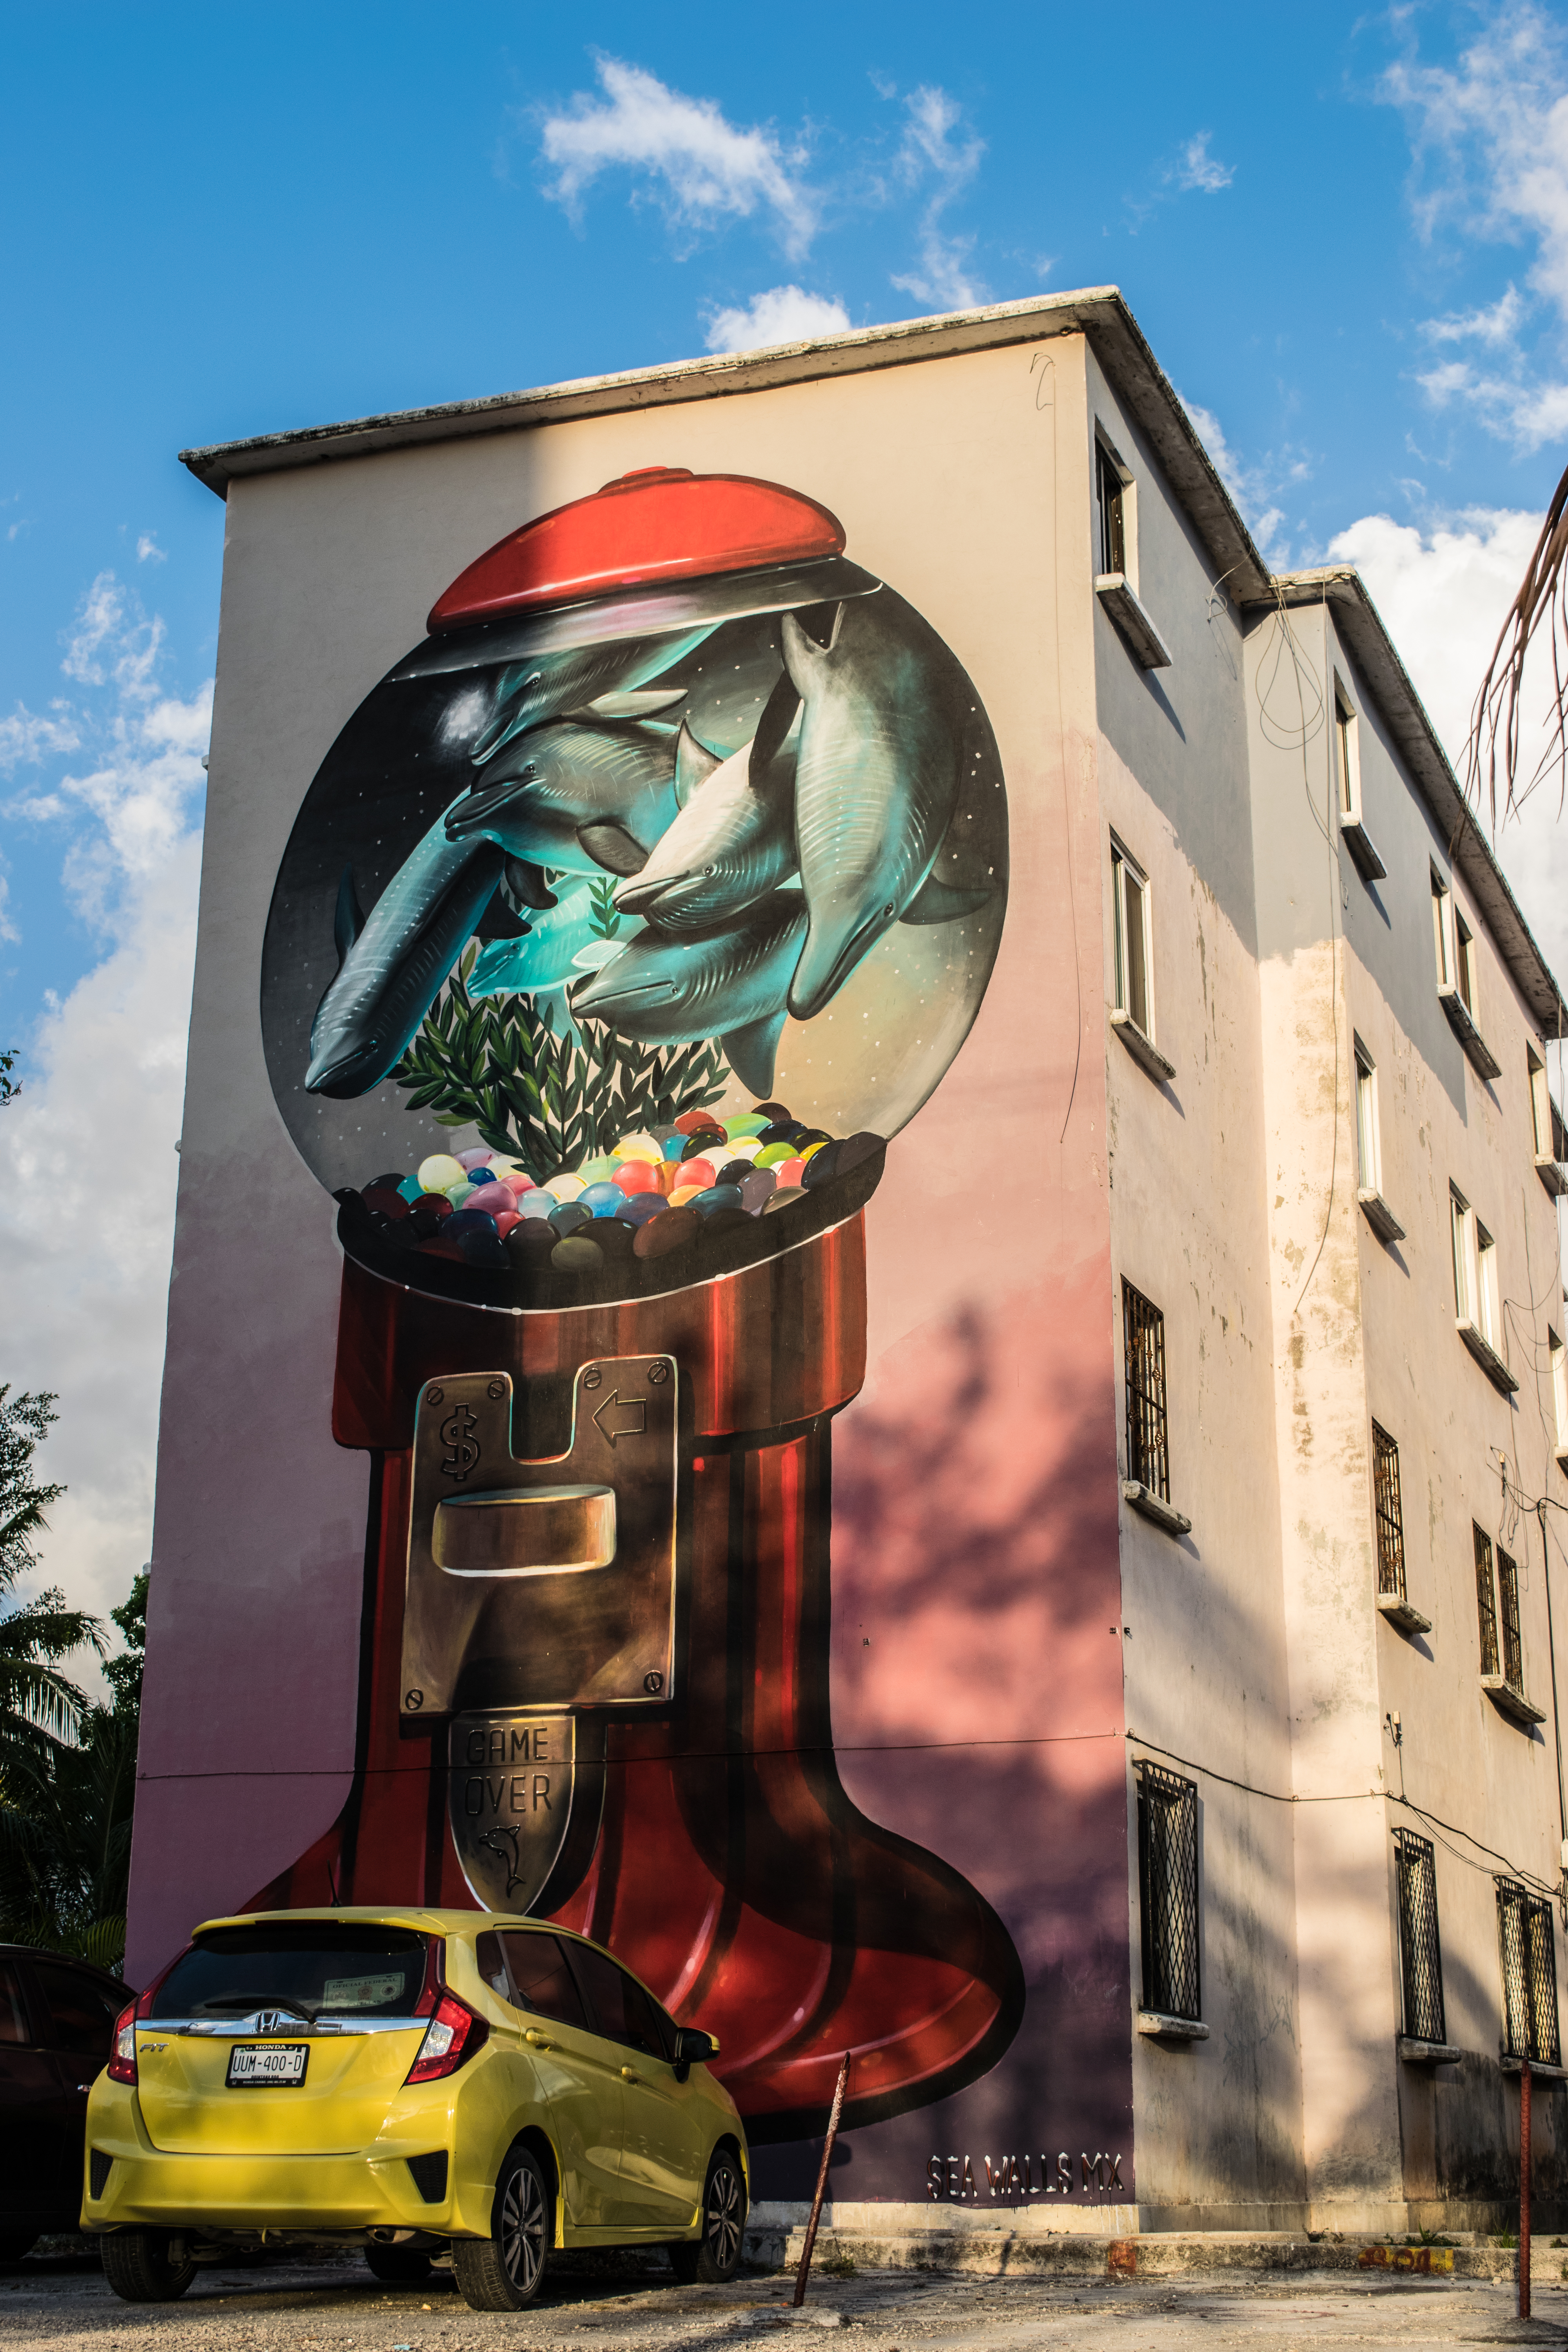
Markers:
1204,1656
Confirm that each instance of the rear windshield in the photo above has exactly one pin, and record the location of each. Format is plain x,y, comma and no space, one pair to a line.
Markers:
315,1969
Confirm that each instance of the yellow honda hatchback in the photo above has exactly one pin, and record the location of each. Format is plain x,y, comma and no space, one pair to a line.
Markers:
409,2080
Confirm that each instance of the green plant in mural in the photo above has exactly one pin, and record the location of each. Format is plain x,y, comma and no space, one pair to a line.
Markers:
495,1063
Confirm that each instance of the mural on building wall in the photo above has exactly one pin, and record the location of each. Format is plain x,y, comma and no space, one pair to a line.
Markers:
628,921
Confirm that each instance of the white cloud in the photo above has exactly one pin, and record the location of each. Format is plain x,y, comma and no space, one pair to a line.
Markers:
702,168
148,549
785,314
1255,488
88,1170
1443,594
88,1165
27,737
1200,169
929,152
1491,143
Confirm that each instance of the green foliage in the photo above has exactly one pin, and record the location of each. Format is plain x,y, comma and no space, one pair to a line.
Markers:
550,1101
68,1767
9,1086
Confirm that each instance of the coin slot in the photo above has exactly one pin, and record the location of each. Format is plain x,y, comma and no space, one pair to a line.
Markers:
525,1531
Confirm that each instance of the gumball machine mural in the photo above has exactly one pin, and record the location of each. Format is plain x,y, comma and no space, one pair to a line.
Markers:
625,924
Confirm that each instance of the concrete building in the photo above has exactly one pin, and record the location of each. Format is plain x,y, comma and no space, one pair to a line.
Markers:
1192,1532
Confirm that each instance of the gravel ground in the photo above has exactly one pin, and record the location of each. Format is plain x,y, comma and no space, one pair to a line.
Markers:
60,2302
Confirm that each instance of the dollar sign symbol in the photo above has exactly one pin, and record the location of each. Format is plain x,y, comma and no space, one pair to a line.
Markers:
457,1435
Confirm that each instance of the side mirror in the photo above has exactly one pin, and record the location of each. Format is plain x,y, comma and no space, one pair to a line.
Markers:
692,2049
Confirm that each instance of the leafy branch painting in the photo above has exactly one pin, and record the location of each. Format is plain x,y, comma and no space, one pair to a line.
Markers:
550,1101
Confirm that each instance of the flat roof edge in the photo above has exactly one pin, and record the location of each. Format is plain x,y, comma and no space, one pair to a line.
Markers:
862,348
1343,586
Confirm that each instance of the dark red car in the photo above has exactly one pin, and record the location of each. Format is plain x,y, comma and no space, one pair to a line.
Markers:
57,2023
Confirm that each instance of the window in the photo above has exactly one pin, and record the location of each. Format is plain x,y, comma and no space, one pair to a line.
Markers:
1135,940
1464,1245
1389,1514
1168,1890
1465,963
623,2011
541,1979
1526,1948
1143,1340
1487,1314
1508,1599
1110,482
1421,1958
81,2014
1369,1145
1486,1603
1541,1115
1440,896
13,2008
1347,750
1559,1387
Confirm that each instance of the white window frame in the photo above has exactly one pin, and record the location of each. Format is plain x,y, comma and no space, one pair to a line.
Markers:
1104,446
1443,929
1559,1356
1542,1124
1489,1317
1465,969
1462,1223
1347,753
1123,866
1368,1132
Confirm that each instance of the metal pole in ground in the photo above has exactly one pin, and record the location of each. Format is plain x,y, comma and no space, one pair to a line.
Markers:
1524,2189
834,2113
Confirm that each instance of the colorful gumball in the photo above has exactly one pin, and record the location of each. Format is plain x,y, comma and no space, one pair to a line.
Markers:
700,1173
684,1194
691,1120
638,1146
480,1157
505,1220
638,1207
772,1154
492,1198
599,1171
788,1175
601,1199
746,1122
755,1190
576,1255
536,1204
440,1172
562,1187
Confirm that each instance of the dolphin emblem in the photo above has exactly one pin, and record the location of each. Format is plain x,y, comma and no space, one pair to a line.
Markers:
876,780
668,989
391,972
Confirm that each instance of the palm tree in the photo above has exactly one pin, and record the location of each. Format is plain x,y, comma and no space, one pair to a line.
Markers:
40,1708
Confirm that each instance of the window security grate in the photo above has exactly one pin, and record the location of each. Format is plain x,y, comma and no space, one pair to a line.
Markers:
1485,1604
1420,1953
1529,1973
1112,519
1168,1890
1508,1597
1390,1519
1143,1339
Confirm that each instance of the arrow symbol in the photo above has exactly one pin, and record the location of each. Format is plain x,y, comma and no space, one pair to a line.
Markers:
621,1417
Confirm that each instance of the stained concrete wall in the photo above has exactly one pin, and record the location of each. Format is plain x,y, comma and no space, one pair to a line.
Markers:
1204,1648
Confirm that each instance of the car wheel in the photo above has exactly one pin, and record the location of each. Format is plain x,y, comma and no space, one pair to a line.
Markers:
715,2256
398,2266
504,2271
136,2264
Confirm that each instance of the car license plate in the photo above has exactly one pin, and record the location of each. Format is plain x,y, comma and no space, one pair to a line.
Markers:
267,2065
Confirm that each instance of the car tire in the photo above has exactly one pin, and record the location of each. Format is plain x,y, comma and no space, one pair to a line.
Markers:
713,2259
136,2264
13,2244
398,2266
505,2271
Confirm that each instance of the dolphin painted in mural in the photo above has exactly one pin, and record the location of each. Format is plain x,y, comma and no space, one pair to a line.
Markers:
391,970
876,780
579,678
673,989
732,842
581,796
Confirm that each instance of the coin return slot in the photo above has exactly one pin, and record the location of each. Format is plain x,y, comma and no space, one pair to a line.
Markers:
525,1531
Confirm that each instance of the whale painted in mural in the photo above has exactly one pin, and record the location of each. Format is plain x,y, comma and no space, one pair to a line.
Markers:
670,989
391,973
732,842
876,779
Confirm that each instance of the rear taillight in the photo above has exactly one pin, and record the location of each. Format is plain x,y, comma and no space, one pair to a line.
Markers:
451,2038
123,2057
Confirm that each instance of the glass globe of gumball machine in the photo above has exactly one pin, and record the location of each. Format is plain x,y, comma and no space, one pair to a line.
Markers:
628,921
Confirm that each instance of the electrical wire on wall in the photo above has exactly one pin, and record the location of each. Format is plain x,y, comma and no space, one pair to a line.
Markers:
1310,712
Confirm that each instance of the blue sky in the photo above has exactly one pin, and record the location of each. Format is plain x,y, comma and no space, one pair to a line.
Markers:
1345,234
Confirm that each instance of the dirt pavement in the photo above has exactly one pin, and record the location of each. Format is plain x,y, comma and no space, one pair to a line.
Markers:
62,2304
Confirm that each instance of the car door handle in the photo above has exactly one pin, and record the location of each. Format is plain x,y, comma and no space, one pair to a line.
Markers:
538,2041
630,2074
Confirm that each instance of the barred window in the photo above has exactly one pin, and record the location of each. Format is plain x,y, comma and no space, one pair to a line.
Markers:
1508,1598
1389,1517
1529,1957
1421,1958
1486,1604
1168,1890
1143,1339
